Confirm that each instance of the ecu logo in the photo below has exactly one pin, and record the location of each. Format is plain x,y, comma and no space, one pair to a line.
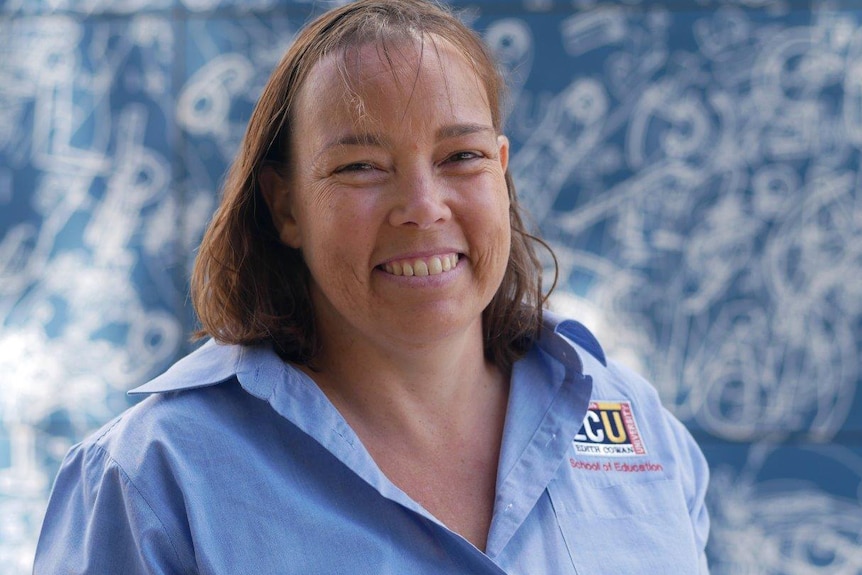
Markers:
609,430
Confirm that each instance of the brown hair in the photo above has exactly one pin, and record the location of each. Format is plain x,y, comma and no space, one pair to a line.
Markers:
248,287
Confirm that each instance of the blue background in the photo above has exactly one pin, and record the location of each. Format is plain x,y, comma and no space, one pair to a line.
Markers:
694,163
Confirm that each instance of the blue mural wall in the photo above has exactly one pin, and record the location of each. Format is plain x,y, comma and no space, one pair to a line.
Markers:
694,163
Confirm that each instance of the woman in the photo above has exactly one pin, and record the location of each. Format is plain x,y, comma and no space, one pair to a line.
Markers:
384,395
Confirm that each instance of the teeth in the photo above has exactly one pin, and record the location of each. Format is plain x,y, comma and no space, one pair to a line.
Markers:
435,266
423,267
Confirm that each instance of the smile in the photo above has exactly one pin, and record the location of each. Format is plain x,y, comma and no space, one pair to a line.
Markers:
421,267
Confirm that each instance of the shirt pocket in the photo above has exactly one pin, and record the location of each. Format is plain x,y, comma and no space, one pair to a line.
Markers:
628,527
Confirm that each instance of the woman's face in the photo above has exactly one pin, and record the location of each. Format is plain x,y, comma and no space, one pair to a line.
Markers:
396,197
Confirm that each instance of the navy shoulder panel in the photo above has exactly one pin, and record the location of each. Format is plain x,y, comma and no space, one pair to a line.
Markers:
578,333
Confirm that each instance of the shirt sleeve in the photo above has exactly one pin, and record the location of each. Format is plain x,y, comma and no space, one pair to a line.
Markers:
97,522
694,473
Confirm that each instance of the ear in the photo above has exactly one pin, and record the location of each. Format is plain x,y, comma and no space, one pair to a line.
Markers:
503,145
275,192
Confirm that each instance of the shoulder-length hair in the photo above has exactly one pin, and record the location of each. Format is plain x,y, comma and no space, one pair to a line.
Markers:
248,287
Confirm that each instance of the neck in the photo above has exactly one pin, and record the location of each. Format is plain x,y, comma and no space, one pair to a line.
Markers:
399,388
431,416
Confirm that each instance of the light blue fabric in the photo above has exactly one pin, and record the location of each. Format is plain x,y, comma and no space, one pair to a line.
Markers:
237,463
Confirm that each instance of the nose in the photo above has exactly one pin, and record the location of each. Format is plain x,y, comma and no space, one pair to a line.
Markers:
420,202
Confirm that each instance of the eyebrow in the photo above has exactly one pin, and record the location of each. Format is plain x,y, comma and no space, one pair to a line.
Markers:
374,140
361,139
456,130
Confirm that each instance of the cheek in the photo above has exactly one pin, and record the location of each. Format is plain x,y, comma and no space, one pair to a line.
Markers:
324,218
337,237
504,246
502,218
492,227
504,235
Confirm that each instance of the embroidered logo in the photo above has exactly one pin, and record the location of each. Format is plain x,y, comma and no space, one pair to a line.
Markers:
609,430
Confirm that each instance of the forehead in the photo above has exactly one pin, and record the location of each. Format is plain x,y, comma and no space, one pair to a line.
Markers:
401,69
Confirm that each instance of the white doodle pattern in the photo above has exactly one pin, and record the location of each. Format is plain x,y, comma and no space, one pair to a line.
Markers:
783,527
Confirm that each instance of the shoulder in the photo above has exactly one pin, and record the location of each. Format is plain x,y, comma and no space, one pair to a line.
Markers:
196,406
127,482
207,426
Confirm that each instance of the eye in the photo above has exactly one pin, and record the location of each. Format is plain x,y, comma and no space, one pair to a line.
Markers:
355,167
360,174
463,157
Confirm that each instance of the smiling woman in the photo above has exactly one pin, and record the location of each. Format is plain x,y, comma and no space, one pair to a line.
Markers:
399,166
247,286
382,393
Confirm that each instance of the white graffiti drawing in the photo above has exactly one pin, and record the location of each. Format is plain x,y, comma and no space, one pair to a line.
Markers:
511,41
75,329
782,527
203,107
85,7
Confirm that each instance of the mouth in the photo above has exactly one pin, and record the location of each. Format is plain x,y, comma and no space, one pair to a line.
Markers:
421,267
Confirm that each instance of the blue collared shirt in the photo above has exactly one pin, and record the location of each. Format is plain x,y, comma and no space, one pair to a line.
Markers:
237,463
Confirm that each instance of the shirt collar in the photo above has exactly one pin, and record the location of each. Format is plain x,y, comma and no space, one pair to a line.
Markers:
214,363
550,381
210,364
